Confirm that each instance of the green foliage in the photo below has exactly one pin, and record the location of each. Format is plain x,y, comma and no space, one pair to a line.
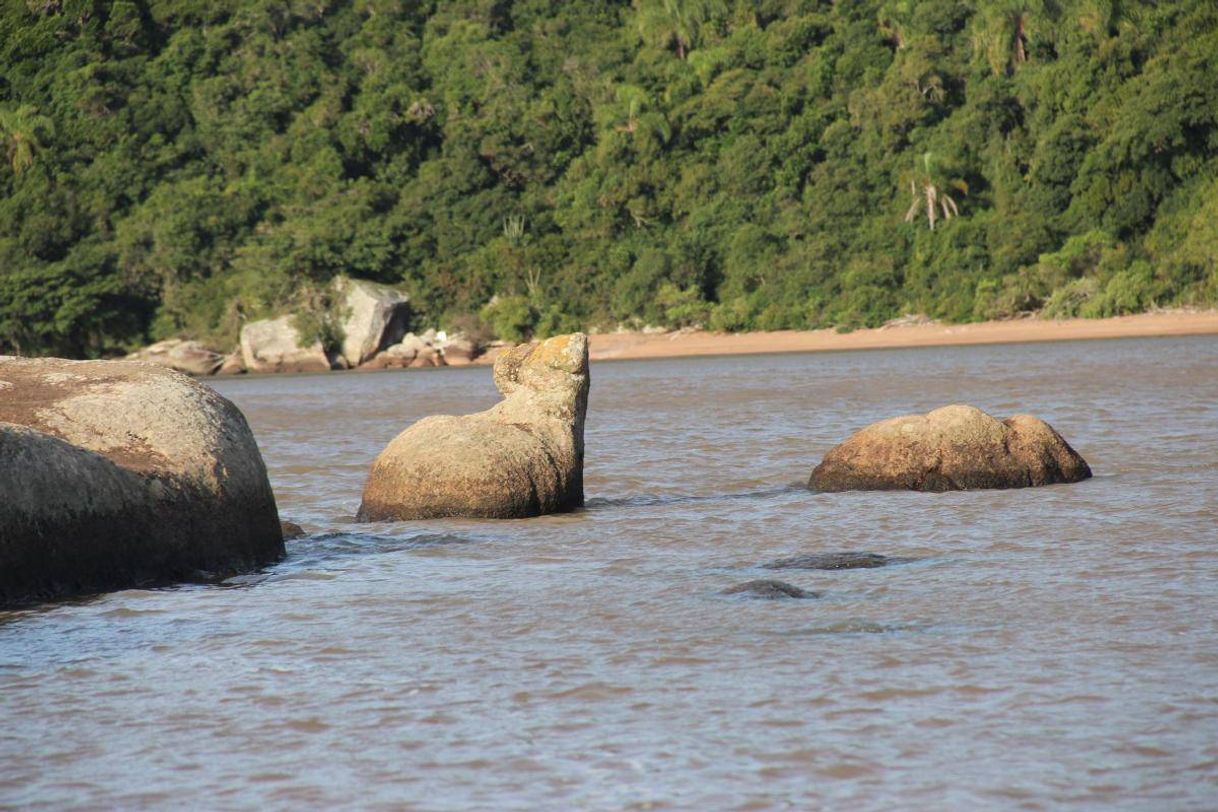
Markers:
173,167
682,308
511,318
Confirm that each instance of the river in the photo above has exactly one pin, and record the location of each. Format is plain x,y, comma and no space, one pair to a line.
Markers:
1050,648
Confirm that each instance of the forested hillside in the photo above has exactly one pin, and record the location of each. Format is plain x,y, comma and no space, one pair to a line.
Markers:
174,167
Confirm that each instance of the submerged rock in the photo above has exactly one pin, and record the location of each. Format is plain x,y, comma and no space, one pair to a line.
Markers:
291,530
274,345
375,317
523,457
116,473
768,590
956,447
831,561
190,357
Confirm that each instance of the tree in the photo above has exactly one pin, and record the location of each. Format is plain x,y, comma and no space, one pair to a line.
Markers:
928,187
1001,31
676,23
25,132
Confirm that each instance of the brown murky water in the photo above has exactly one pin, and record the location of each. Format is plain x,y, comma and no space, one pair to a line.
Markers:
1053,648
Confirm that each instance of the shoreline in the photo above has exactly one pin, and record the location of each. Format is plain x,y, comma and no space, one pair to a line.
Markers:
637,345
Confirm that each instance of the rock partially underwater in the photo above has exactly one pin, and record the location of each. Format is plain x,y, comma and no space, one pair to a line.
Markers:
768,590
523,457
833,561
953,448
114,474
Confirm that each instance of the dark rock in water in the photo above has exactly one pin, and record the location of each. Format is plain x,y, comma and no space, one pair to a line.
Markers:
291,530
954,448
769,590
831,561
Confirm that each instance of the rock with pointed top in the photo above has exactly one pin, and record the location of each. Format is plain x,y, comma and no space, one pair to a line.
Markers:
374,317
523,457
957,447
114,473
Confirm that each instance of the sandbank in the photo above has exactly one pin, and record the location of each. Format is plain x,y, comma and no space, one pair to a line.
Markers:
634,345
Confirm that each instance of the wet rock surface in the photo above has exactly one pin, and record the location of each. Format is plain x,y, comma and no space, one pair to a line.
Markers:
833,561
291,530
765,589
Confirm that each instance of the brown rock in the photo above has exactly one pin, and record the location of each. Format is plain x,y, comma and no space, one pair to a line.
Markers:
953,448
428,356
116,473
190,357
291,530
523,457
384,360
459,351
233,364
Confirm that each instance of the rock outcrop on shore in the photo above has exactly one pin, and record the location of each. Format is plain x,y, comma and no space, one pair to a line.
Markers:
957,447
523,457
374,317
274,345
115,474
190,357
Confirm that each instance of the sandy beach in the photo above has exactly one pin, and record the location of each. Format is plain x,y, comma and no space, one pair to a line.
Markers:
628,345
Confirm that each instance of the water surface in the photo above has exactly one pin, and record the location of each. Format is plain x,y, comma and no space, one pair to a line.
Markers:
1052,648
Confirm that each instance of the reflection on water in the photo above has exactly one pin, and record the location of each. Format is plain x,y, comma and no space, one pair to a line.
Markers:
1037,649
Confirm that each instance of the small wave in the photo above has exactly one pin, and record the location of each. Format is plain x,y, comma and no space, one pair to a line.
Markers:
659,500
855,627
327,549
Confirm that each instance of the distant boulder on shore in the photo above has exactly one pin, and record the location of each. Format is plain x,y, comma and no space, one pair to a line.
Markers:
274,345
375,317
190,357
115,474
957,447
523,457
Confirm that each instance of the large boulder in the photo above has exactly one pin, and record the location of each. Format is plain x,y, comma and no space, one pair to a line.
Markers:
375,316
523,457
274,345
114,474
953,448
190,357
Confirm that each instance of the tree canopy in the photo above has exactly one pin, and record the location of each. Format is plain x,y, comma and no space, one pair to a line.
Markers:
175,167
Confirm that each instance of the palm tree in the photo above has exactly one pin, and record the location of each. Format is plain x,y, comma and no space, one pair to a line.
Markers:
24,132
928,189
1002,29
676,22
632,111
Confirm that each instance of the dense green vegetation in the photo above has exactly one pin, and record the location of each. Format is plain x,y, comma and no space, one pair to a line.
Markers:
172,167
